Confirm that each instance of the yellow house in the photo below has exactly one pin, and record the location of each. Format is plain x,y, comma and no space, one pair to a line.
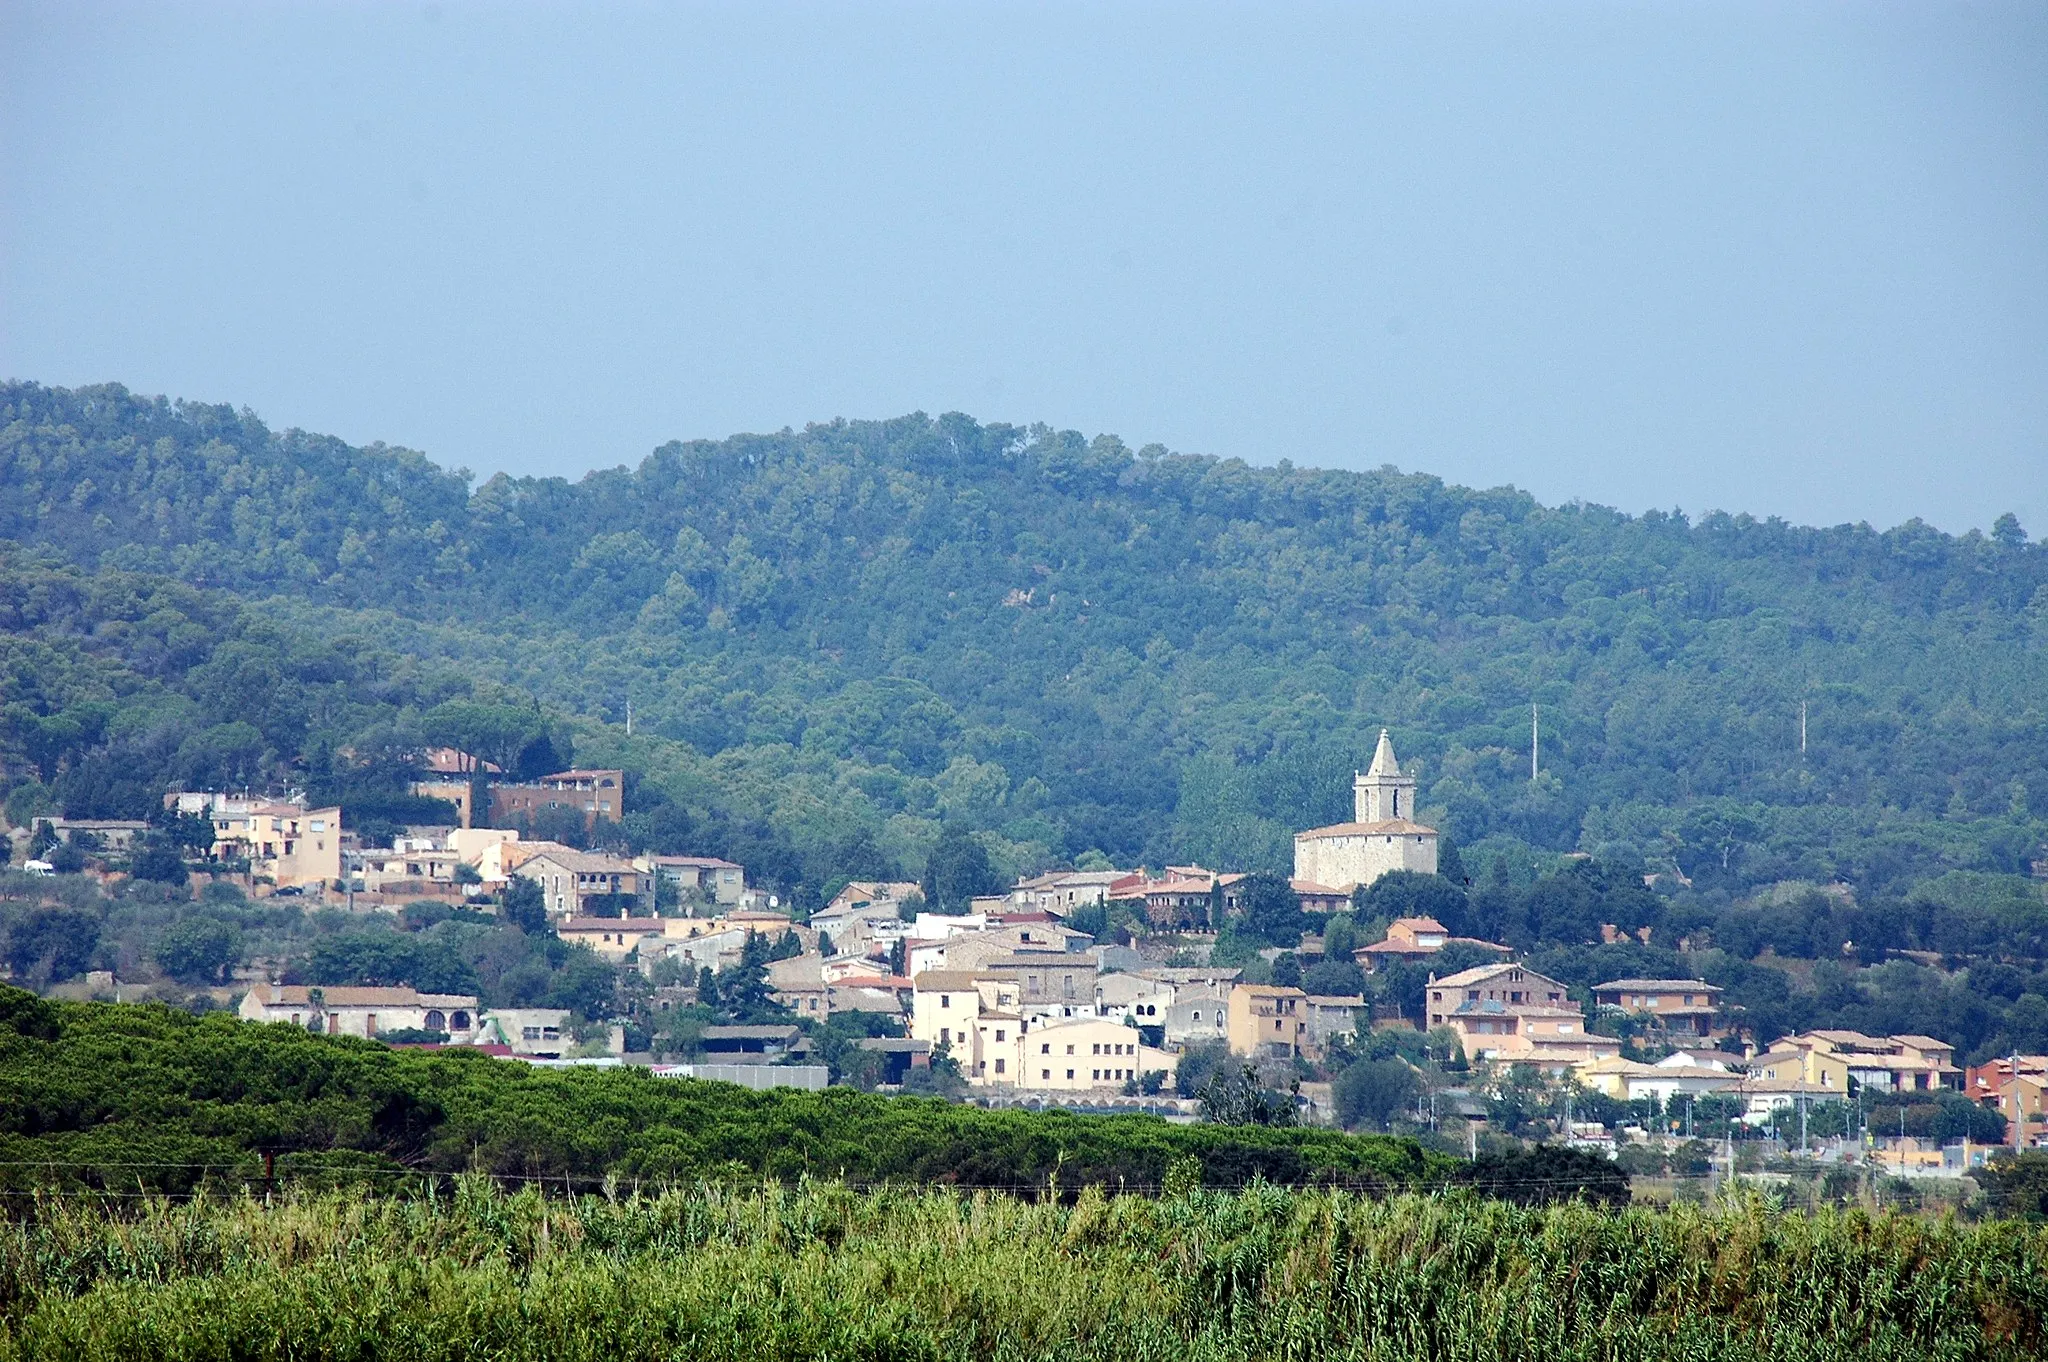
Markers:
288,843
1088,1052
1267,1022
959,1010
614,938
1849,1061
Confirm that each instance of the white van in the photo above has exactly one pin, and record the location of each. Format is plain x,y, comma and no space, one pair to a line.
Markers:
39,868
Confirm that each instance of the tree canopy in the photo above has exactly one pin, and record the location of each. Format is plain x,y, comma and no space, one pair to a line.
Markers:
855,635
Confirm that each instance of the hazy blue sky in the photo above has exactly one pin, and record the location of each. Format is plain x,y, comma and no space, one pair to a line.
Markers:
1791,259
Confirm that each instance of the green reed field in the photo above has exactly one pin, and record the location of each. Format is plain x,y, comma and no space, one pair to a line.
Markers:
821,1270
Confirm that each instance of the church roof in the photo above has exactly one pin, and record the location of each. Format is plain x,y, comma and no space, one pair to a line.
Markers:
1386,826
1383,763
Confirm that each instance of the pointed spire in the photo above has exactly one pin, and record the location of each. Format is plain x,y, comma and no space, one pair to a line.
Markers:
1383,763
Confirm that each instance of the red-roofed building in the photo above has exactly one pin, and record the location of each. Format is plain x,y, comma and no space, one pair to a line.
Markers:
1414,938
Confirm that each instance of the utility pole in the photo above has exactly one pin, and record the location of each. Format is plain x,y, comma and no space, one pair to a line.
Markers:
629,723
1802,730
1802,1123
1534,738
2019,1116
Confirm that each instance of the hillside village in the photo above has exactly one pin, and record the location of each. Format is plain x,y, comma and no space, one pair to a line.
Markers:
1096,989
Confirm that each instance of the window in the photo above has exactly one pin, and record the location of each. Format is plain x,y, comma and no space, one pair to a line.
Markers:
1471,995
1095,1049
1000,1033
1045,1074
1070,1074
1095,1075
945,1035
1070,1050
1045,1050
945,1000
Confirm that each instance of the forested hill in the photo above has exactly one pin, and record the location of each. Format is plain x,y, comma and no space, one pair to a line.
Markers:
839,637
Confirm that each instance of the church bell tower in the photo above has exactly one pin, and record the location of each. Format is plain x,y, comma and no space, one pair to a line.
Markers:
1383,793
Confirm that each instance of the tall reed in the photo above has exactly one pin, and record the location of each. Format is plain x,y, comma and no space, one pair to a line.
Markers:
822,1270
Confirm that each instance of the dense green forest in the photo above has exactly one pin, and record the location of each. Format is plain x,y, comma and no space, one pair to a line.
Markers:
843,636
98,1095
838,641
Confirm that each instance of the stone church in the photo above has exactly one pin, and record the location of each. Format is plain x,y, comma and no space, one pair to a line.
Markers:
1384,836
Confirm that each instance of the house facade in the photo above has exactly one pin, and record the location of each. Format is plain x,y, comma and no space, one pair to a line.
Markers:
723,882
1686,1006
289,844
528,1032
1630,1081
1511,1014
2016,1087
947,1007
1063,891
1847,1062
1200,1015
1414,938
613,938
412,873
1267,1022
1046,983
594,794
1083,1054
364,1012
569,879
1331,1016
1179,904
